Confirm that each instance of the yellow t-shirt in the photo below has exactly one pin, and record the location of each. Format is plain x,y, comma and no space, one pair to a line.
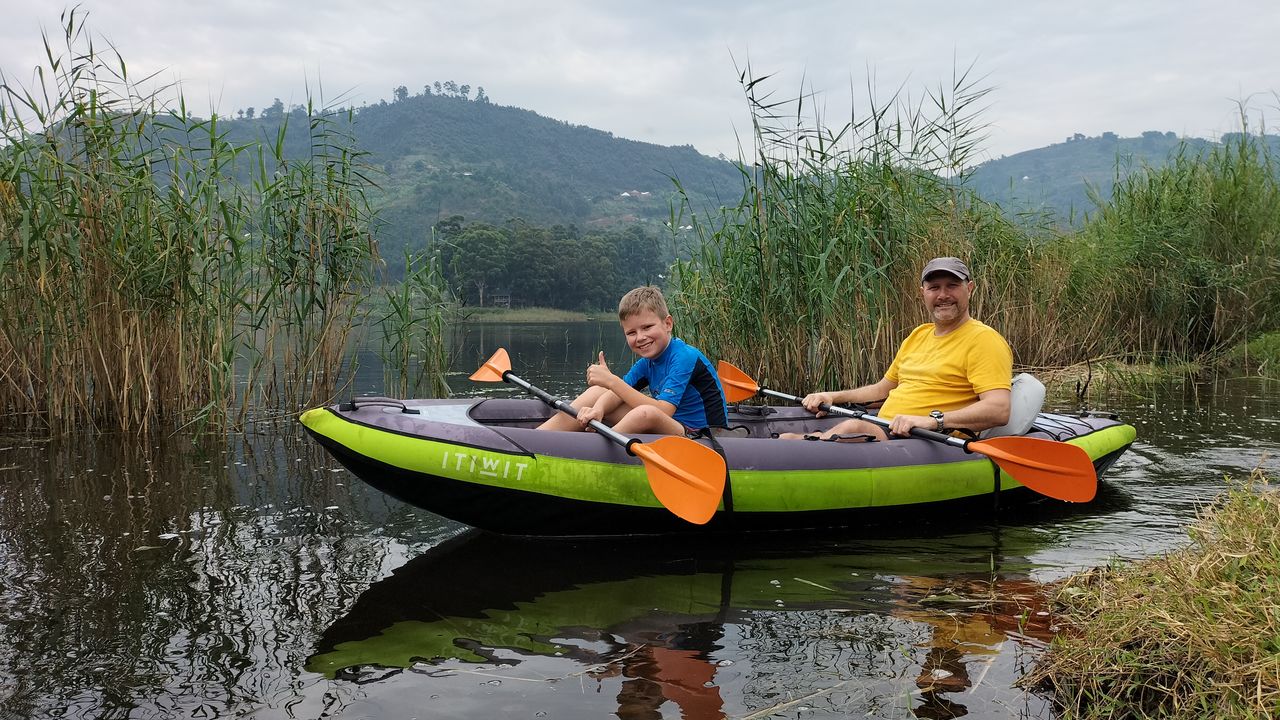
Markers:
949,372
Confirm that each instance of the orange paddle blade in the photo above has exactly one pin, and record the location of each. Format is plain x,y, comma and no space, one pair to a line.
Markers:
686,477
738,386
1056,469
493,368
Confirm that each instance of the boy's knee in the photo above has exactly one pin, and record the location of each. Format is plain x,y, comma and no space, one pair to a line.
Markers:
589,396
647,419
645,415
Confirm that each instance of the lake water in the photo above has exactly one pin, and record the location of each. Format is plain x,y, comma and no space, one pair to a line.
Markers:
256,578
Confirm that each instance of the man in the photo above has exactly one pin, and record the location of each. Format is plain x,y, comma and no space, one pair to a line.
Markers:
951,373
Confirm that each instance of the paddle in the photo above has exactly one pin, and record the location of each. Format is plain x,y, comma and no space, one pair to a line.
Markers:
1051,468
686,477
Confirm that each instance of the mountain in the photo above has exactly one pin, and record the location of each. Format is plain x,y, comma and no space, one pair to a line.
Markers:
443,155
1056,179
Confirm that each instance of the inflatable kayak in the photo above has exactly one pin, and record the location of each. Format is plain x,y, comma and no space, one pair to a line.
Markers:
479,461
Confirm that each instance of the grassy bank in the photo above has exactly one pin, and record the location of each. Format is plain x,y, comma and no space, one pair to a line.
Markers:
1259,356
1192,634
527,315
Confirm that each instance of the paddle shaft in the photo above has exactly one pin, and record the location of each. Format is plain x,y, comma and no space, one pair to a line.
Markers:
875,420
567,408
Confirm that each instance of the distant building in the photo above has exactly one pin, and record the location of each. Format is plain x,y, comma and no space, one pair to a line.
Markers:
500,298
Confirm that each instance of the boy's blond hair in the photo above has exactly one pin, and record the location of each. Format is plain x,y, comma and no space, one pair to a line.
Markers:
645,297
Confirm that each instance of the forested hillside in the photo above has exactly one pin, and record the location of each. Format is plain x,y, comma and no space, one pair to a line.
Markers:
529,200
1058,178
446,153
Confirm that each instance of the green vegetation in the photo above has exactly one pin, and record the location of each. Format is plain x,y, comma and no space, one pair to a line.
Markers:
157,266
811,279
414,352
1069,179
444,152
528,315
1183,260
1064,182
1090,383
1261,356
1193,634
518,264
141,287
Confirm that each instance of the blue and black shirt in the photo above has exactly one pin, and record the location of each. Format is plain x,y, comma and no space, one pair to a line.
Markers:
684,377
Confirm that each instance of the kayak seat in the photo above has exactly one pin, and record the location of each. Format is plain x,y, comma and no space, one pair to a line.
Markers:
1026,398
509,411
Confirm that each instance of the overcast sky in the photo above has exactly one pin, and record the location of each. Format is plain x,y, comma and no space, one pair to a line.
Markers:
665,71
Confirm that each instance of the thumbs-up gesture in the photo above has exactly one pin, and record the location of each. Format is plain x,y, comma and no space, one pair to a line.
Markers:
599,375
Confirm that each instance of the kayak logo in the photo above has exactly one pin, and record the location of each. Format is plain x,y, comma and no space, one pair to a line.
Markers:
483,466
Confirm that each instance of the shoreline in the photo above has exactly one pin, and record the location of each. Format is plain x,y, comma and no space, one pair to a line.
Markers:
516,316
1190,633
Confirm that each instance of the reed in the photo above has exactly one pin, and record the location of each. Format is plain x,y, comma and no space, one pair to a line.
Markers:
414,352
1182,261
810,280
141,284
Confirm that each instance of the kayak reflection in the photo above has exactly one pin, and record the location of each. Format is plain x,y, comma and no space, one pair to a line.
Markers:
689,624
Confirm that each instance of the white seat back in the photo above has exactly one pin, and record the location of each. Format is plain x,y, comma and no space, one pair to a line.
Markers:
1026,397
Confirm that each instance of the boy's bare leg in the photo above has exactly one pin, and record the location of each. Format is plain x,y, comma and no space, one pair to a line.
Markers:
563,422
649,419
851,426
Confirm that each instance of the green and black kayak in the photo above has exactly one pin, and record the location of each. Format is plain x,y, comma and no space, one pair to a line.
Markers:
479,461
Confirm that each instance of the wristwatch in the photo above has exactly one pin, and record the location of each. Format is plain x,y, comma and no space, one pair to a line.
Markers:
937,416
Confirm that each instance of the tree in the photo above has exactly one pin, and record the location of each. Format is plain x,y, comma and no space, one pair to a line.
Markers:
480,96
275,111
401,93
641,257
587,271
534,276
481,260
464,91
449,228
248,112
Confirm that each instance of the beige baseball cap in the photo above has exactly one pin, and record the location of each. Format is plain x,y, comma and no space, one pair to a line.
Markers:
952,265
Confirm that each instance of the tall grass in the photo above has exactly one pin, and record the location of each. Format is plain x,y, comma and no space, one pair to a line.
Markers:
813,277
1184,258
811,280
139,284
414,353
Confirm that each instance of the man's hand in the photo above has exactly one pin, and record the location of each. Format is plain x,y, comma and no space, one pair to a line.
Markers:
813,402
599,375
901,424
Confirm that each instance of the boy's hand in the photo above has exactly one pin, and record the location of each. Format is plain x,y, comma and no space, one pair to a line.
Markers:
598,374
587,414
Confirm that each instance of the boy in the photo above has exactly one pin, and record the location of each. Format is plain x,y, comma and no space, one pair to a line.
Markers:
686,395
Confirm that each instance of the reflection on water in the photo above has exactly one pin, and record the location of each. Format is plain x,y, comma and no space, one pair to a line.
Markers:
181,579
712,630
172,579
